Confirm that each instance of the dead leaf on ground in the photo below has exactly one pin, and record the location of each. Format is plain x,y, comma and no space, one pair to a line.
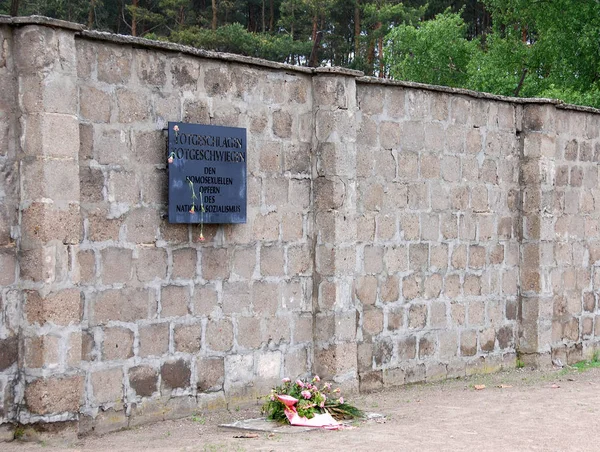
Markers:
504,386
247,435
479,387
555,386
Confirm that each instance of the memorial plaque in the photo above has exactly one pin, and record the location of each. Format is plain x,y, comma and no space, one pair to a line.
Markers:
207,174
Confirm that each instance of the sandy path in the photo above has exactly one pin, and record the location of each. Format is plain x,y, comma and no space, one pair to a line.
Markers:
530,415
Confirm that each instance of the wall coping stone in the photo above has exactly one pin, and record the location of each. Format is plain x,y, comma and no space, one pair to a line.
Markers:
359,75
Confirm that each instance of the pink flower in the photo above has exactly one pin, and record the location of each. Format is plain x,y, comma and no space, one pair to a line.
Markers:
193,209
176,128
272,397
306,394
299,383
316,379
286,380
170,160
201,238
327,386
322,404
341,400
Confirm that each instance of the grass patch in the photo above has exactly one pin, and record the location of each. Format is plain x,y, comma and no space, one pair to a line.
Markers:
593,363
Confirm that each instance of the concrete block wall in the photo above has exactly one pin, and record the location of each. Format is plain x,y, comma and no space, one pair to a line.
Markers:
560,250
396,232
438,244
165,314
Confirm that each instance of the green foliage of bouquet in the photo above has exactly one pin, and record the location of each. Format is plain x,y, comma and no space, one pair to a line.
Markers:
312,400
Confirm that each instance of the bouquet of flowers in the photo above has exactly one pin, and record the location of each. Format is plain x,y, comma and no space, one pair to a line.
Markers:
307,400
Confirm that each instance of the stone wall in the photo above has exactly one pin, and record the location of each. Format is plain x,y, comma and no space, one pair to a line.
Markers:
438,250
396,232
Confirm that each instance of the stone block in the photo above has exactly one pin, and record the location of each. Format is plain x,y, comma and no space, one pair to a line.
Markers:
299,261
276,331
366,289
117,344
125,305
8,264
187,338
295,364
101,227
239,372
394,377
123,187
153,339
94,104
248,332
107,386
373,259
114,64
60,308
407,348
487,339
184,263
268,369
52,179
215,263
132,106
174,301
143,380
337,359
237,298
41,223
303,329
151,264
372,321
150,68
9,352
265,298
433,286
91,183
371,381
272,261
41,351
468,343
219,335
176,374
204,300
52,135
330,91
211,374
148,147
412,286
54,394
142,225
389,291
116,265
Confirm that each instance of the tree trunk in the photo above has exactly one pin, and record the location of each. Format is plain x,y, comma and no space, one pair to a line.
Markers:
14,8
380,51
263,16
314,59
91,12
271,15
134,19
314,28
357,29
213,24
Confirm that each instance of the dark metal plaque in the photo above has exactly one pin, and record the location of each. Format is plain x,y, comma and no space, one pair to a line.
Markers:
207,174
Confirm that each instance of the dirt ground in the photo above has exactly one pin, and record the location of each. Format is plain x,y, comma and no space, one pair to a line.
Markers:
521,410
